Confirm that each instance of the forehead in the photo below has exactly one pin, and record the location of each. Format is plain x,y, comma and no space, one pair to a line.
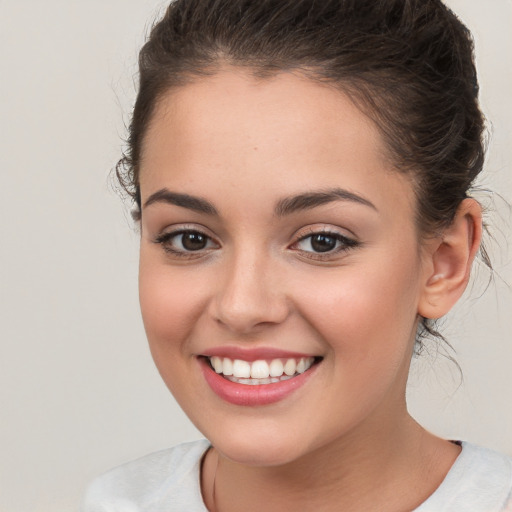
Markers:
283,109
289,132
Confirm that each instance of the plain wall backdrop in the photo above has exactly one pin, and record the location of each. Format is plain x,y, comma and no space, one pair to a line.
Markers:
78,390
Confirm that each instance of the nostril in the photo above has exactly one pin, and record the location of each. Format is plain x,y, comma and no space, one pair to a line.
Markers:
249,316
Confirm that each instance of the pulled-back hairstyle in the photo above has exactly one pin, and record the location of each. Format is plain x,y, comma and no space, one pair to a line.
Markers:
407,64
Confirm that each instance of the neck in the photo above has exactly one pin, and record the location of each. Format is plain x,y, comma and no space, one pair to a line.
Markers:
398,464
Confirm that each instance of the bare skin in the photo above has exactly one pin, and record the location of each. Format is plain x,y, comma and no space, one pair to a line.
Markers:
400,477
241,148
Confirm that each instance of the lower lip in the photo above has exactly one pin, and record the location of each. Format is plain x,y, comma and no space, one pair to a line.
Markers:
250,395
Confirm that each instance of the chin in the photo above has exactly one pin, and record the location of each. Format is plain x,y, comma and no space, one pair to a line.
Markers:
257,446
256,454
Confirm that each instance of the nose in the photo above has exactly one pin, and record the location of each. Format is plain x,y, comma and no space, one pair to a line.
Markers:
250,295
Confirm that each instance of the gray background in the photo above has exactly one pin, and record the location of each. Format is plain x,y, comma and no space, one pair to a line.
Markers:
78,390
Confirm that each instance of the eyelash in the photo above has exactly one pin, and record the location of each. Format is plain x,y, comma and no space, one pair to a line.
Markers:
165,239
345,243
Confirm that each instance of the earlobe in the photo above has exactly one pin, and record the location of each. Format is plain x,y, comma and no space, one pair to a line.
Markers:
450,258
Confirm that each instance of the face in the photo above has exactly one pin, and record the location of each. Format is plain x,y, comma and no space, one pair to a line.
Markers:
277,245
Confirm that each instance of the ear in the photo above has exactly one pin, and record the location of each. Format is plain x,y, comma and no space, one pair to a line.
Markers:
448,261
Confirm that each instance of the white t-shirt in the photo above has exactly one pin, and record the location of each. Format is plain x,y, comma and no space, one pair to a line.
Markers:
480,480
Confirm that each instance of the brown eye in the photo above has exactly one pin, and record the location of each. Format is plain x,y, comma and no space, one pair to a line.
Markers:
320,242
193,241
323,243
185,242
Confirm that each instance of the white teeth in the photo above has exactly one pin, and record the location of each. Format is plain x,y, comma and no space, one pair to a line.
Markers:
301,366
276,368
260,371
290,366
241,369
227,366
217,364
255,382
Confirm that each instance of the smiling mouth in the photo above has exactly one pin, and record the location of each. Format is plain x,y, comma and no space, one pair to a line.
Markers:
261,372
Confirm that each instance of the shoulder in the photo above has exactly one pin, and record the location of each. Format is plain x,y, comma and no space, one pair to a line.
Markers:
480,480
169,477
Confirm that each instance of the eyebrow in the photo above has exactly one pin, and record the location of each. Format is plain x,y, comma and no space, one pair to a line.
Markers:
197,204
310,200
285,206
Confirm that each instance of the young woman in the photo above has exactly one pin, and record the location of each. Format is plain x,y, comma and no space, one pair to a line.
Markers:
301,172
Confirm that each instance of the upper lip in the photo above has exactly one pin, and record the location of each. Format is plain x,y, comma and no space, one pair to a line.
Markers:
254,354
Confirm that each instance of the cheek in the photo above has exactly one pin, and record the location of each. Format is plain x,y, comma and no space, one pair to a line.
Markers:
171,302
363,312
367,321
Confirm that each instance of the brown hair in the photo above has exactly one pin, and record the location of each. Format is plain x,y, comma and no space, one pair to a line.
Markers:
408,64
